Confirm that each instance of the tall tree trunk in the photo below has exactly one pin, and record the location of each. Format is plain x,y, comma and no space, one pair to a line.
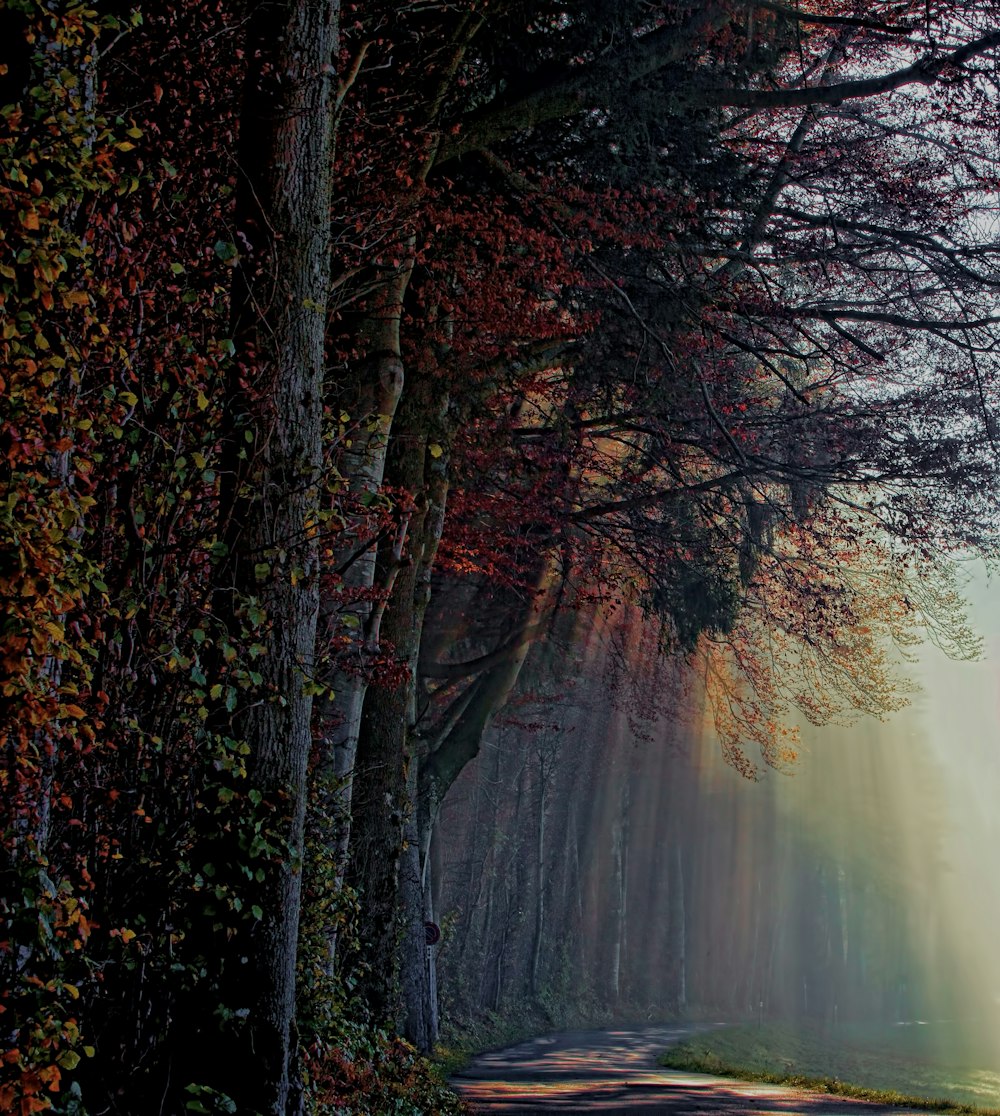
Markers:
619,859
270,505
541,879
678,928
382,806
419,984
414,959
432,868
373,410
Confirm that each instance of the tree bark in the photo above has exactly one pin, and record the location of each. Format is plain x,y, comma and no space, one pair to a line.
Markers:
269,508
374,414
384,760
678,929
541,880
364,464
415,952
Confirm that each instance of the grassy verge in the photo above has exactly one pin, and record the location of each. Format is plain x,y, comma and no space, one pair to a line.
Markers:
462,1040
463,1037
901,1066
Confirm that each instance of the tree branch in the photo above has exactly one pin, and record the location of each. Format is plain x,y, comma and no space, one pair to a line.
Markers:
585,88
925,71
453,671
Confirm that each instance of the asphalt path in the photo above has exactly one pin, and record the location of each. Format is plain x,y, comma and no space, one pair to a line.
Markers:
612,1072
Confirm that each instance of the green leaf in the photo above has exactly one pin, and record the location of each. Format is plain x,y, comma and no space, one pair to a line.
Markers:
225,250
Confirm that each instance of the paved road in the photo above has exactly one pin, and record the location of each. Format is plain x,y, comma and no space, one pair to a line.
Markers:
615,1072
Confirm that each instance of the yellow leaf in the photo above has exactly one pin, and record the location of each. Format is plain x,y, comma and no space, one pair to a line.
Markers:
69,1059
30,219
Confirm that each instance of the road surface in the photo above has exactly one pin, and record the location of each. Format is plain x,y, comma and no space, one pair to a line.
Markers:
615,1072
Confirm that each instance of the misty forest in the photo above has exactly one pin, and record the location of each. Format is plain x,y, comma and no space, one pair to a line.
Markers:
490,496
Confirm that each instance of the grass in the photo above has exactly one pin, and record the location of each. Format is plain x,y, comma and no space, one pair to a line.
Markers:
921,1067
463,1039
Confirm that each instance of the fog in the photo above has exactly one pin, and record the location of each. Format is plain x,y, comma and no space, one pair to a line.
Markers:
599,855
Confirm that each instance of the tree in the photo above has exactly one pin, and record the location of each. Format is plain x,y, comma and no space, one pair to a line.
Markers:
169,583
268,580
722,403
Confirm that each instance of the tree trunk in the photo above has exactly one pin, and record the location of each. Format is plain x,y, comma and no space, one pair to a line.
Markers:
619,859
373,412
541,880
382,806
678,928
269,508
414,970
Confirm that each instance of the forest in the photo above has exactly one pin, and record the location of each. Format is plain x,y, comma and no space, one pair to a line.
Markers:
363,363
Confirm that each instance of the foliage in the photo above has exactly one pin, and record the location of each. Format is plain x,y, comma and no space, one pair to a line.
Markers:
58,158
371,1073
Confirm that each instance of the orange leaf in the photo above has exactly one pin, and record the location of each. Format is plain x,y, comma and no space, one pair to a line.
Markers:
34,1104
51,1076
